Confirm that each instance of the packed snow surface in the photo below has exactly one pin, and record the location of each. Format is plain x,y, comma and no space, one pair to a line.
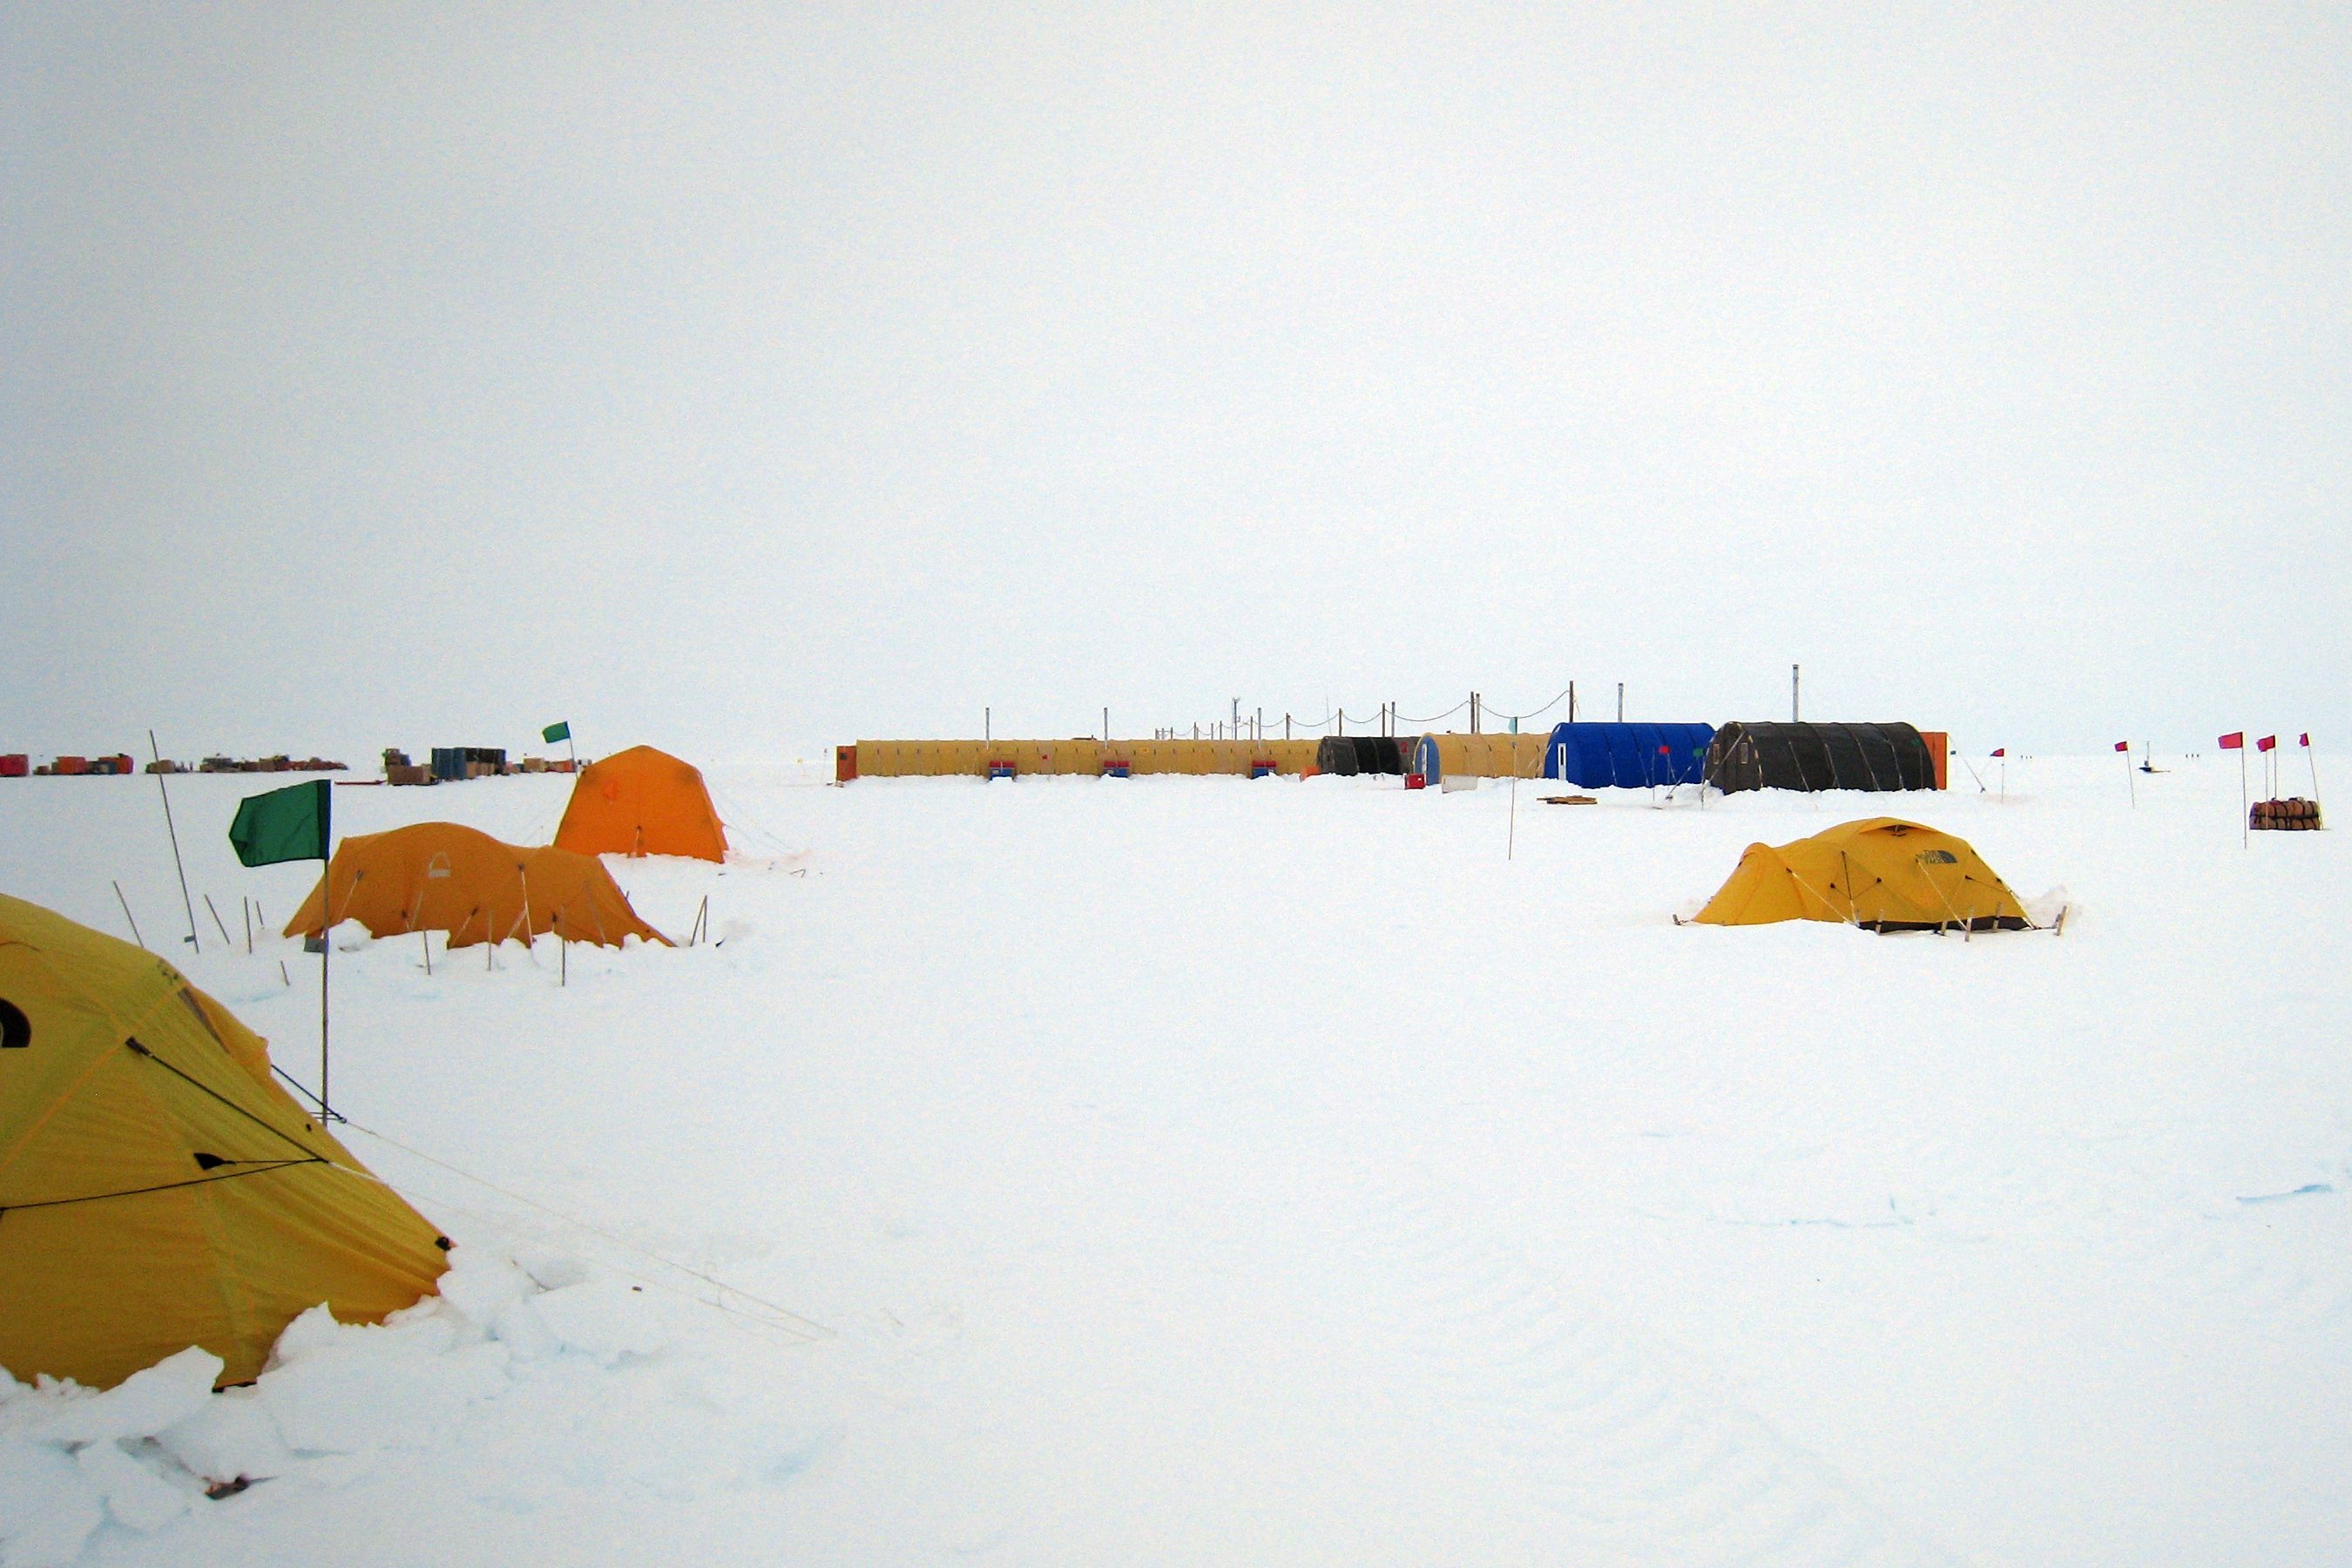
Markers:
1206,1171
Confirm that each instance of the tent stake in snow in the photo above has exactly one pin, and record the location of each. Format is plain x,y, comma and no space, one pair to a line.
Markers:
174,832
425,937
126,915
245,907
216,921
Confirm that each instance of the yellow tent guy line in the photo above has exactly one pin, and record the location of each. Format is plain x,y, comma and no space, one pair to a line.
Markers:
819,1330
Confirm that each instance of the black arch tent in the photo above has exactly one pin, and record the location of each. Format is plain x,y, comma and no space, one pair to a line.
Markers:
1359,754
1819,756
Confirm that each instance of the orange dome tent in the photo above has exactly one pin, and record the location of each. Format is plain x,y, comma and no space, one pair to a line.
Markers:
1881,873
642,801
438,875
160,1190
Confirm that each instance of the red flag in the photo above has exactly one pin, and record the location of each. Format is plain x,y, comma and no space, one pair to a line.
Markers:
2123,745
2235,741
2001,751
2306,737
2266,743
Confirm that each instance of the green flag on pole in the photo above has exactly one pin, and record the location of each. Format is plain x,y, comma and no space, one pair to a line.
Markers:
555,732
288,824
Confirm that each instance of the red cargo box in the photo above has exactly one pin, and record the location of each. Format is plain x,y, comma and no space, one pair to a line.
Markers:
16,765
71,765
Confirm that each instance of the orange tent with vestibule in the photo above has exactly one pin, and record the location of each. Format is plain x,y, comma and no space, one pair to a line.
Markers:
158,1189
438,876
642,801
1882,873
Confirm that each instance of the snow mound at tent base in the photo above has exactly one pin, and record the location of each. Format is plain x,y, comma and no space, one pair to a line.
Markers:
163,1443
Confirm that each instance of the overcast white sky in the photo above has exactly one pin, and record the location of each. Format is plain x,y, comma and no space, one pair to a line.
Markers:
743,379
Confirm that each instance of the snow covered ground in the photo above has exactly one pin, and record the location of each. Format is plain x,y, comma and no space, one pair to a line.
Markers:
1201,1171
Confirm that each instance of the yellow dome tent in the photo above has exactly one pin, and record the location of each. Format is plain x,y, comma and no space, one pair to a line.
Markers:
438,876
1882,873
157,1188
641,802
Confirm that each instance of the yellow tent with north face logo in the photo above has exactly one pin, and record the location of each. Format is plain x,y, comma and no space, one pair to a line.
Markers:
157,1188
1882,873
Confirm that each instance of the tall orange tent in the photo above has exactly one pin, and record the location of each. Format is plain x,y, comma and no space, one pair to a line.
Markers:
157,1188
642,801
438,876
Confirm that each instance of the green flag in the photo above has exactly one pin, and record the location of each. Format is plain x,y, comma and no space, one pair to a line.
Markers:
290,824
555,732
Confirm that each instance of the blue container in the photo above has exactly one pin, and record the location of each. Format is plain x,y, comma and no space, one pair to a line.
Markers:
1627,757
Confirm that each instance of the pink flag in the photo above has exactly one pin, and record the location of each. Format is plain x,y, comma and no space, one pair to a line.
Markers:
2123,745
2001,751
2235,741
2266,743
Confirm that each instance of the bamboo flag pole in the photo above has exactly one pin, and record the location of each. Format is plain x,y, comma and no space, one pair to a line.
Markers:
127,915
2236,741
2313,758
176,865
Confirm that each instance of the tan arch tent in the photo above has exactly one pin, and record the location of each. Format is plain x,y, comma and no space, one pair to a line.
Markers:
157,1188
642,801
1882,873
438,876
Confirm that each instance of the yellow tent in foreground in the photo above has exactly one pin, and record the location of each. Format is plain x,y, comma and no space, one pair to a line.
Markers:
157,1189
1882,873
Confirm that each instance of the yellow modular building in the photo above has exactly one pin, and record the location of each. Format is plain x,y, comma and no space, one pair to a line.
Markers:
1480,757
1489,756
931,759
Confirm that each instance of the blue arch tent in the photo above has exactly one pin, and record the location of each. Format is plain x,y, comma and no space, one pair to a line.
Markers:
1627,757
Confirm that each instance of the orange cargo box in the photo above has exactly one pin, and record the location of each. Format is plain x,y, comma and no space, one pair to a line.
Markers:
71,765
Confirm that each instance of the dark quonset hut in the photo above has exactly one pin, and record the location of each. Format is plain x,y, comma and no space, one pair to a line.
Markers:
1819,756
1626,756
1359,754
